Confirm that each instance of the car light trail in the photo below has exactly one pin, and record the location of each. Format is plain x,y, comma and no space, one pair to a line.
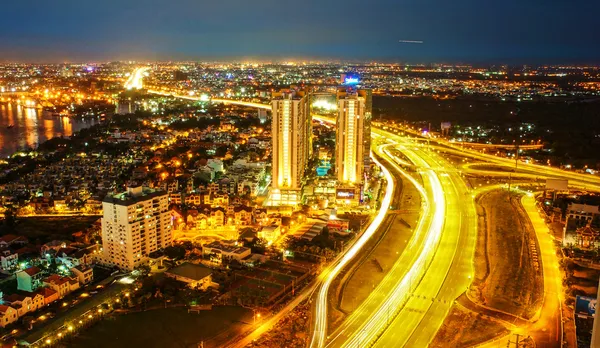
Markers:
320,330
135,81
380,319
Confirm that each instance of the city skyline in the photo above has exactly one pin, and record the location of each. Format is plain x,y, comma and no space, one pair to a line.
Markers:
241,174
471,32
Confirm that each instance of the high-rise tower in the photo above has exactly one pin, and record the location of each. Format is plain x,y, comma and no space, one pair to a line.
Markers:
291,133
353,135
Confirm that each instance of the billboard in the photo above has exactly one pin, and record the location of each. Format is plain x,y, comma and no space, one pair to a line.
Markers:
557,184
345,193
351,80
585,306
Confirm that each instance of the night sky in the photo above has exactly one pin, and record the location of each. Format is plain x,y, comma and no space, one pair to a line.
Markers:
470,31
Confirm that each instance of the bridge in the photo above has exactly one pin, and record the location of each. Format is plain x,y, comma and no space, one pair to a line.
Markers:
473,146
27,99
213,100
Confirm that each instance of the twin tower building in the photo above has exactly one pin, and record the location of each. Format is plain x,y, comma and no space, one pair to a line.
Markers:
292,142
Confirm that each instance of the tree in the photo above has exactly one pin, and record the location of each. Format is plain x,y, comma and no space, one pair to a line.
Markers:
144,270
10,217
175,252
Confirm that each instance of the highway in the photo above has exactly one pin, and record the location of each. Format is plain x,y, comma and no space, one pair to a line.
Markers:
212,100
547,330
135,80
451,270
445,275
583,180
321,306
372,316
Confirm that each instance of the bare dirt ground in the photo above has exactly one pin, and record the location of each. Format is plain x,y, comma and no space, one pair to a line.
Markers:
385,254
507,277
464,328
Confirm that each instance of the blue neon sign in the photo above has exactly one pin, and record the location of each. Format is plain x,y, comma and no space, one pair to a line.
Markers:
351,80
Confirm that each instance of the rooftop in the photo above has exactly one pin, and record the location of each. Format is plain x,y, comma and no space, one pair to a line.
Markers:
191,271
133,195
227,247
32,271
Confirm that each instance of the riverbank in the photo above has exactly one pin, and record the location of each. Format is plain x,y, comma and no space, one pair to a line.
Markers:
23,128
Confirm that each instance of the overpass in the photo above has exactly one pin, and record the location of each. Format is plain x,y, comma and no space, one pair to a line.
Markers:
480,146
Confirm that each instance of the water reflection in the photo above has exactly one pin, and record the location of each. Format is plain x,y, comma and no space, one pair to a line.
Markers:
30,127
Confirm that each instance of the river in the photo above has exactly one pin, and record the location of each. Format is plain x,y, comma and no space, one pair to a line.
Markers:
32,127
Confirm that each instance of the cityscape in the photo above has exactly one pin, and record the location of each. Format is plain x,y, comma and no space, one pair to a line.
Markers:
256,188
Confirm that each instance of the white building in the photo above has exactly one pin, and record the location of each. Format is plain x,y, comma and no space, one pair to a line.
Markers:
8,260
135,223
292,137
215,165
223,250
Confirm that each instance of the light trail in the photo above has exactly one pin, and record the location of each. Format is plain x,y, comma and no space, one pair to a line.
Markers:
548,330
400,268
135,81
381,317
320,330
213,100
543,170
448,275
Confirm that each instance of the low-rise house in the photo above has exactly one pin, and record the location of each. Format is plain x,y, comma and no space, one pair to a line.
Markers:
21,303
217,217
194,275
50,295
70,257
222,251
84,274
41,203
37,301
217,199
25,303
261,216
243,215
55,245
94,204
8,315
270,233
62,285
30,279
8,260
12,240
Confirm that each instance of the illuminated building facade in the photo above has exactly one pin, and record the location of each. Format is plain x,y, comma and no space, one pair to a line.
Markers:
135,223
353,135
291,134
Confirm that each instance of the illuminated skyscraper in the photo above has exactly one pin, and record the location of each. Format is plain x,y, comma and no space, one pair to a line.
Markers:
291,131
353,135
